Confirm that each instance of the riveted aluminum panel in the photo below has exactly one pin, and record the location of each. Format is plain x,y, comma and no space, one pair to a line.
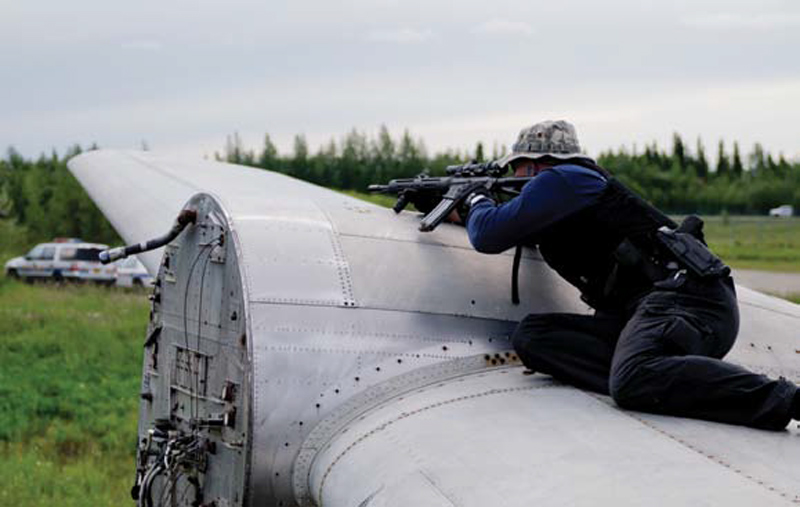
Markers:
441,279
502,438
309,360
348,306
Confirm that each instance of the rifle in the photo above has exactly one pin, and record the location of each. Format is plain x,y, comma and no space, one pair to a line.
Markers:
449,190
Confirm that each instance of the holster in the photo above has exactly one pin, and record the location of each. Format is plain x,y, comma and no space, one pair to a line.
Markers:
687,244
675,250
692,254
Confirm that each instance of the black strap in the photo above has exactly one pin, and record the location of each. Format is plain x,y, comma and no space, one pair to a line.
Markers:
515,275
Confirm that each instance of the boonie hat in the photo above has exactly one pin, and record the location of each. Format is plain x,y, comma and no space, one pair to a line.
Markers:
555,139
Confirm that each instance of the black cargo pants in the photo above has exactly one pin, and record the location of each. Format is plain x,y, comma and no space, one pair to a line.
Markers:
665,358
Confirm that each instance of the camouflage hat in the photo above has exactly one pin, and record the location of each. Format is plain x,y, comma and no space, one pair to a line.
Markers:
555,139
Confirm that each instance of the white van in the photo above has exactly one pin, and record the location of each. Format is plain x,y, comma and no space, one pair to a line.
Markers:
786,210
63,260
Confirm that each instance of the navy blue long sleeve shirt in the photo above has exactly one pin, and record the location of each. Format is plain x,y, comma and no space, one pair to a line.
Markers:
549,197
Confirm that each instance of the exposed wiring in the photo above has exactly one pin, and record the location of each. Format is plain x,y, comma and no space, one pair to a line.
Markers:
218,241
178,453
192,399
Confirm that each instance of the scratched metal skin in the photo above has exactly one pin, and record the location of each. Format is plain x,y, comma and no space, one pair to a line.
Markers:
369,345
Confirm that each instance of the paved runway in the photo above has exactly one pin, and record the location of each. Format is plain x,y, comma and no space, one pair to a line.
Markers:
767,281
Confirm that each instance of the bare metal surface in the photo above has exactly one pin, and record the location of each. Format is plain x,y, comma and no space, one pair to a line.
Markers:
498,437
347,306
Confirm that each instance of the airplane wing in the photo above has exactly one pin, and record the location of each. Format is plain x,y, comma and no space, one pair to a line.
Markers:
307,348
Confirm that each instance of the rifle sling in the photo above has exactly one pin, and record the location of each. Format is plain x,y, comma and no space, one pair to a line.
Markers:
515,275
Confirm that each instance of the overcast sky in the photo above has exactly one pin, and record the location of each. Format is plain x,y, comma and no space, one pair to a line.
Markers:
181,75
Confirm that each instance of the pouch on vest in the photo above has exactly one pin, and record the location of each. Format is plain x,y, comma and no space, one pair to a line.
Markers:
692,253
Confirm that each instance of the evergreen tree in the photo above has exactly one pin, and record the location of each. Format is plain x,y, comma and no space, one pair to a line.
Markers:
233,149
269,159
723,164
736,166
701,164
479,156
678,151
299,163
756,161
411,156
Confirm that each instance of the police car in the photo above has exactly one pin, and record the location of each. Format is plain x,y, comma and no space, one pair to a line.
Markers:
64,259
132,273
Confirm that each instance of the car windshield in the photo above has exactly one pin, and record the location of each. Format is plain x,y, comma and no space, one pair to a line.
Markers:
42,253
81,254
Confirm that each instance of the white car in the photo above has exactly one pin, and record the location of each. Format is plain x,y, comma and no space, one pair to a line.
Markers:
63,260
132,273
786,210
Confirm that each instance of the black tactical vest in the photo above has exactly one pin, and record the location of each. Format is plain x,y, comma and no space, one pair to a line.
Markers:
583,247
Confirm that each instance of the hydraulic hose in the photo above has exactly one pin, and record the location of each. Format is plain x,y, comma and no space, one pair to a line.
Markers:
186,217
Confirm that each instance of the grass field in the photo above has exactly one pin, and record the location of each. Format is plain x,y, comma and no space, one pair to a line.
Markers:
70,360
771,244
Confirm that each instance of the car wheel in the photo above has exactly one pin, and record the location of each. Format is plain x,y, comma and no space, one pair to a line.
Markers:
12,273
137,282
57,277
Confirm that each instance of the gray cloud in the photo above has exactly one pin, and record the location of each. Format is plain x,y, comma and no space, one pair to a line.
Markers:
181,74
739,21
399,35
499,26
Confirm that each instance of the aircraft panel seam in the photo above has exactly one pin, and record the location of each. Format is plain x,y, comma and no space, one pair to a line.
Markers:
771,310
507,253
378,334
437,488
162,172
332,350
411,413
342,266
793,498
331,303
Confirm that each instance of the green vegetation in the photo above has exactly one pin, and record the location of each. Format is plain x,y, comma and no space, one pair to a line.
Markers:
771,244
70,360
44,197
680,180
14,240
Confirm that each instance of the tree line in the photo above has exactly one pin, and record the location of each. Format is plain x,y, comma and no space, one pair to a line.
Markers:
44,198
680,179
41,195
